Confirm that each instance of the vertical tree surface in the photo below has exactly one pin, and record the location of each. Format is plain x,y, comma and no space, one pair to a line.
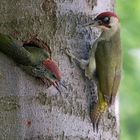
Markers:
30,110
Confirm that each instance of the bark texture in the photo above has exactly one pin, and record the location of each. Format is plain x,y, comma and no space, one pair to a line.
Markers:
30,111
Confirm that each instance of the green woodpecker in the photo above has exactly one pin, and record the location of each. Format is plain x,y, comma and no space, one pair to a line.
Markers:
104,62
33,56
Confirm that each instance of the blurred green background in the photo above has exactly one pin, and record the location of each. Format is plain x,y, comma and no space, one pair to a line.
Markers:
129,12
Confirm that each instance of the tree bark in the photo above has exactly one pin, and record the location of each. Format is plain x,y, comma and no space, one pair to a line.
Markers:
28,109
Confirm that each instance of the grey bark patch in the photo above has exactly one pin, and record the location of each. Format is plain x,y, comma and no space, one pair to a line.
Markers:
50,8
9,103
42,97
92,3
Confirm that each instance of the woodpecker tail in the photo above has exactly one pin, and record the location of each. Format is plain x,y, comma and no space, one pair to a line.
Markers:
97,110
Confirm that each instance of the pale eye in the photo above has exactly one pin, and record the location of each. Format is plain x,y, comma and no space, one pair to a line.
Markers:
106,20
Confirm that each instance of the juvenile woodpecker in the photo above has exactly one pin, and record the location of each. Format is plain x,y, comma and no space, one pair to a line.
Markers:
104,62
46,67
33,56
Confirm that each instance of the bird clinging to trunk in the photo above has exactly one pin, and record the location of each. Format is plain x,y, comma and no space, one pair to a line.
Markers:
104,63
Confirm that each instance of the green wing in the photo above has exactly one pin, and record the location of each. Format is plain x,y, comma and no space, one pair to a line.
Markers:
108,67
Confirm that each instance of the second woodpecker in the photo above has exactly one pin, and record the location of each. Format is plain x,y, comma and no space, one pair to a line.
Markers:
34,57
105,61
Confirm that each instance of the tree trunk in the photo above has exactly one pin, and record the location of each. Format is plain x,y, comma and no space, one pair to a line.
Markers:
30,111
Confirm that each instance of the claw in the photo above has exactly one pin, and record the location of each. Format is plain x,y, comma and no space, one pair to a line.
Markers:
83,64
70,55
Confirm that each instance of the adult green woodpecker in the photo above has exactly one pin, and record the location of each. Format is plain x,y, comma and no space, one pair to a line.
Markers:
105,62
33,56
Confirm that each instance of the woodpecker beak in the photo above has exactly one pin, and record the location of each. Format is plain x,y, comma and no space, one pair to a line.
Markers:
58,85
98,24
94,23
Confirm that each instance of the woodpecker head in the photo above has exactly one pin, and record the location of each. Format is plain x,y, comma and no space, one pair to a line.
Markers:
54,73
51,66
107,22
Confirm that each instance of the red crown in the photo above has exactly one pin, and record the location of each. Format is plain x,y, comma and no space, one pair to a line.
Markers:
52,66
110,14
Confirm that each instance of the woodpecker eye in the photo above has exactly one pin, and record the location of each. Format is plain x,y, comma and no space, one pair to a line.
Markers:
53,76
106,20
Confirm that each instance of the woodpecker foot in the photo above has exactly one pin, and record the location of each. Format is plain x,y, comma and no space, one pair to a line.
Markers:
82,63
88,73
70,55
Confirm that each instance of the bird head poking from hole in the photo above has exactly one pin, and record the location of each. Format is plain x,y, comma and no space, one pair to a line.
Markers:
55,75
53,68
